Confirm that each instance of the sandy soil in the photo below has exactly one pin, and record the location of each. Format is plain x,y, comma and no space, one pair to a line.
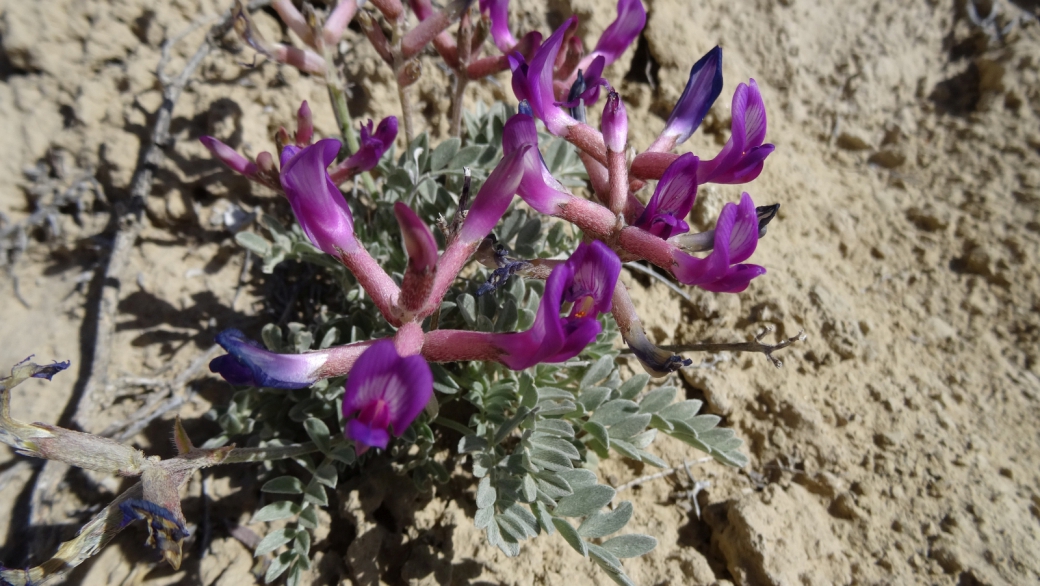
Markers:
898,445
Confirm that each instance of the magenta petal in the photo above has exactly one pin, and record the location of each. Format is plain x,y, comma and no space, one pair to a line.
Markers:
622,32
498,11
535,82
545,338
595,273
614,123
494,197
317,203
736,279
373,437
691,270
538,187
744,237
247,363
701,91
372,145
665,213
229,156
741,160
577,335
418,240
385,389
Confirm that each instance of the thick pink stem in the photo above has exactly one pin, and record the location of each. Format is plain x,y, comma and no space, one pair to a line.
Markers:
374,280
391,9
304,60
448,267
486,66
587,139
342,358
294,20
424,32
651,165
456,345
376,37
409,339
415,289
338,21
443,42
617,168
648,247
593,219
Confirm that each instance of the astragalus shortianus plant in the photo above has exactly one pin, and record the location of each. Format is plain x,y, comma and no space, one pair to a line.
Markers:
408,350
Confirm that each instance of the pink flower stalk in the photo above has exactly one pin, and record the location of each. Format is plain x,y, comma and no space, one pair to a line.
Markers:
422,258
586,280
384,394
665,213
702,89
230,157
743,157
371,149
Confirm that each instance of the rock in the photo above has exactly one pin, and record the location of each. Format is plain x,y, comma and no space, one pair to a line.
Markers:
852,141
773,545
888,158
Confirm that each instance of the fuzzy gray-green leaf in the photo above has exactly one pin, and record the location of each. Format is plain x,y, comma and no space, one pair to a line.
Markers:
283,485
630,546
601,524
585,501
277,511
657,399
274,540
571,536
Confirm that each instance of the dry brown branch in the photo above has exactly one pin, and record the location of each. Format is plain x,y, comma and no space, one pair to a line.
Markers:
127,222
755,345
662,474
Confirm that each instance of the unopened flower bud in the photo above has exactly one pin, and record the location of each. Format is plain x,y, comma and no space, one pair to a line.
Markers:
615,123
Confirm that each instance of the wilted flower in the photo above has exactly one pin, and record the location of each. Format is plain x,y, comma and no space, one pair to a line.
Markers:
665,213
248,363
586,280
385,392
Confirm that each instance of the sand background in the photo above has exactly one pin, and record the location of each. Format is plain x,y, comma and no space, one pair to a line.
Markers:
898,445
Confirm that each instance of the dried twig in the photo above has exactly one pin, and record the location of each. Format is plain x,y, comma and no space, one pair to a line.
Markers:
127,220
667,282
754,346
667,472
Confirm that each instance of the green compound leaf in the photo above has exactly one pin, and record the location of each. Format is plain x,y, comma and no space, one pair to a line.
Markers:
657,399
598,371
601,524
254,243
318,432
571,536
598,432
630,546
277,511
614,411
278,566
274,540
486,494
444,153
605,559
633,386
630,426
585,501
283,485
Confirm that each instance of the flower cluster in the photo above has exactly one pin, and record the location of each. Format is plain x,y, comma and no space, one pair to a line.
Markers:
389,383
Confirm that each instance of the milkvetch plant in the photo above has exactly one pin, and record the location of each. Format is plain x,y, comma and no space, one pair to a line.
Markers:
448,292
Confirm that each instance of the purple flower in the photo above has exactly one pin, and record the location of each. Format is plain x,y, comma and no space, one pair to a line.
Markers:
615,123
418,240
538,187
385,392
736,236
494,196
618,36
701,91
586,280
498,11
665,213
743,157
534,82
587,84
229,156
247,363
373,145
317,202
